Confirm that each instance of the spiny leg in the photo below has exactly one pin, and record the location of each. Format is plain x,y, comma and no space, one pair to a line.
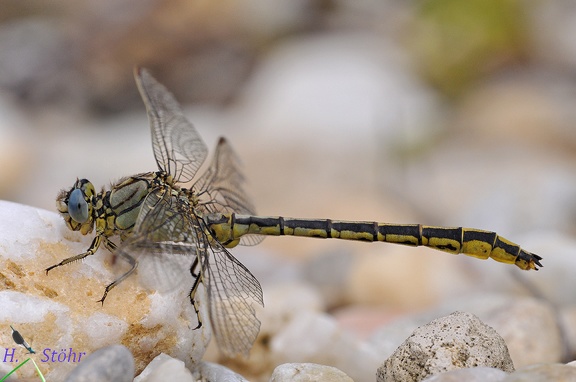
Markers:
129,259
197,275
91,250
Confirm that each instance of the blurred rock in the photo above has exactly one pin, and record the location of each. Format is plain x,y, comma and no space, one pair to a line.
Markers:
112,363
316,338
531,331
404,277
363,320
488,32
79,55
567,323
36,67
304,372
543,373
455,341
283,304
555,282
530,327
550,29
329,273
17,153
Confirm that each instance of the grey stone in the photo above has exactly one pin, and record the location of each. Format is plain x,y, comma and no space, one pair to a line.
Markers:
459,340
112,363
218,373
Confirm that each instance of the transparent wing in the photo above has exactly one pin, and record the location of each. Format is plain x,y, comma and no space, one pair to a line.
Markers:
166,229
163,240
178,148
232,290
221,188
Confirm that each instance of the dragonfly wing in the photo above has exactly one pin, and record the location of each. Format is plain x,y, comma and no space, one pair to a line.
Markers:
221,188
163,240
165,267
178,148
232,290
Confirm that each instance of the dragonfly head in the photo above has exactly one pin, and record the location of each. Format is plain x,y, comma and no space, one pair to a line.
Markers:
76,206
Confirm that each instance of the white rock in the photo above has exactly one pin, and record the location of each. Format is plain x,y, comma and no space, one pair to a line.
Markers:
529,326
165,368
316,338
388,337
59,310
457,341
283,302
304,372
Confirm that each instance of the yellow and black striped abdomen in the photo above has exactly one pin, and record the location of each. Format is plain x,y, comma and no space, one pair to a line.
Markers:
228,229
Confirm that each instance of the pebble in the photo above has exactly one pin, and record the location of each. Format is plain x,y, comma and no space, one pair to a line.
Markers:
165,368
316,337
305,372
529,326
455,341
112,363
213,372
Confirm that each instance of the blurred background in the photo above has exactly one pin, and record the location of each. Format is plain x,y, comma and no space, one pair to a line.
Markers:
440,112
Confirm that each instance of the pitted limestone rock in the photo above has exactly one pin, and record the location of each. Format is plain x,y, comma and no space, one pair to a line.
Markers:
456,341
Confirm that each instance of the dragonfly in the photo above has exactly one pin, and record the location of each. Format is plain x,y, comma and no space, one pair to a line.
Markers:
158,219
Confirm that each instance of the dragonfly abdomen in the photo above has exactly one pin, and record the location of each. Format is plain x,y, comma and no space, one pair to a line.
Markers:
228,228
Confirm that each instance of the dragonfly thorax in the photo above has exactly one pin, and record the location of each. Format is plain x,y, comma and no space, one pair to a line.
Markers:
112,212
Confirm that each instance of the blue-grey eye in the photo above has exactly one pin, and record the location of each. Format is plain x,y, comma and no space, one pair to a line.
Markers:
77,206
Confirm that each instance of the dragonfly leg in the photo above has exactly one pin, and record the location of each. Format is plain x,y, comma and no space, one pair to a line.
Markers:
129,259
91,250
197,275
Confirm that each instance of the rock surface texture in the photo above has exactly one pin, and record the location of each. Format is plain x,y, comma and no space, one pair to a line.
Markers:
58,313
457,341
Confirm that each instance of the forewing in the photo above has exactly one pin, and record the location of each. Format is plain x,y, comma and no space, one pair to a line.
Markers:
221,187
232,291
178,148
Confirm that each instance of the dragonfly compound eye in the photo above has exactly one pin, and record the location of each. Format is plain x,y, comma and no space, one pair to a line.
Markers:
77,206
